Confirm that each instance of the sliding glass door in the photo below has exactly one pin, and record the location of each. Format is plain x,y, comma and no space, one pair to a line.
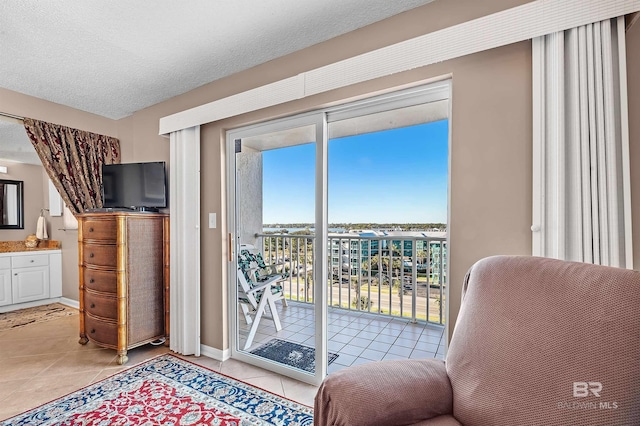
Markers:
287,269
278,307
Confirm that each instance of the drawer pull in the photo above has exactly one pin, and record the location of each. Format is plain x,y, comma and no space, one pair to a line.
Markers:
90,254
93,331
31,261
90,229
93,305
91,280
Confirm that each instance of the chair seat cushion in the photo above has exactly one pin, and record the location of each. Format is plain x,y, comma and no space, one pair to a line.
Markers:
248,261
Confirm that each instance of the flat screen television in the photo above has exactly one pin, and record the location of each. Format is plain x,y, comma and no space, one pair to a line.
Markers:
137,186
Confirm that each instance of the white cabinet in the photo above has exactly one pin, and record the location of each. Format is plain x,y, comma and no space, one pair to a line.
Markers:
5,287
28,284
29,278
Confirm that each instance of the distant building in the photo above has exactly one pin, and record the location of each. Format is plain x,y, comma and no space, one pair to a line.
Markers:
349,250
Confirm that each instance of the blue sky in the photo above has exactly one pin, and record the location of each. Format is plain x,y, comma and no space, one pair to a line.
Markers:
393,176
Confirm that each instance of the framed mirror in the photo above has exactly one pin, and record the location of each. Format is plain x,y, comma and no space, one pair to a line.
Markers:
11,204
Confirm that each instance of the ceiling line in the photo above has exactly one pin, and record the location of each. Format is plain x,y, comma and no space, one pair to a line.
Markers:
11,118
525,22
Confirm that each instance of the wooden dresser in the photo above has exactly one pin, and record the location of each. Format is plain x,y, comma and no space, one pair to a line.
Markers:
124,279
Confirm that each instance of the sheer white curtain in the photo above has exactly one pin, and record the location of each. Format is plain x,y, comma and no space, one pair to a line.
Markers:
184,203
581,184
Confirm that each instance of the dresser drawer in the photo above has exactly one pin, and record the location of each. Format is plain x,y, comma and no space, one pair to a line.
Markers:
101,331
99,254
103,281
103,229
29,260
101,306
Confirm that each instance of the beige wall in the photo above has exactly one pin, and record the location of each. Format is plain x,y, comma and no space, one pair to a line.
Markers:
249,182
69,242
28,106
490,164
36,197
33,197
497,103
490,139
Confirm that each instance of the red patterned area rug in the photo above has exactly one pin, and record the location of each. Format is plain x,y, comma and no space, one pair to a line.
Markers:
168,391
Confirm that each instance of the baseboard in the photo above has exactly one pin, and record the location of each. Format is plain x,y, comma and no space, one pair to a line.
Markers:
15,307
217,354
70,302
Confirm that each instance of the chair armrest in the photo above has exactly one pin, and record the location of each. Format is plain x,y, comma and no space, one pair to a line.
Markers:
387,393
267,272
259,286
273,268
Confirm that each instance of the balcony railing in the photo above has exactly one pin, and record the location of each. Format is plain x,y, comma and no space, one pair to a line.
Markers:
392,275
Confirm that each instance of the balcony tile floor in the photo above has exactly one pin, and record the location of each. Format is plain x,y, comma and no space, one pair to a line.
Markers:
356,337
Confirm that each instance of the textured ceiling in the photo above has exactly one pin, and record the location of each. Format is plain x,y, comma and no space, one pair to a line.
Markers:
116,57
113,58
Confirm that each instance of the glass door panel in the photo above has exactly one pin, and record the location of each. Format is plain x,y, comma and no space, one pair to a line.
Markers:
275,245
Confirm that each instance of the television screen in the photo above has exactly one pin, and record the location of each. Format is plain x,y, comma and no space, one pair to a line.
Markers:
134,185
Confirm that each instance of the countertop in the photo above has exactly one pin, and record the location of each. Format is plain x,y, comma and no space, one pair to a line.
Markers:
18,246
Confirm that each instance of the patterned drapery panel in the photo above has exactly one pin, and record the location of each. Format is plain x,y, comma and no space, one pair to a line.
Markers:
73,160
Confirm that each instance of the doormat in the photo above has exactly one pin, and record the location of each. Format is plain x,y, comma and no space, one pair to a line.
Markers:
290,353
167,390
26,316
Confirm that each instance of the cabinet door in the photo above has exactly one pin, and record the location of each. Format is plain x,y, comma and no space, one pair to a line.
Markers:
5,287
30,284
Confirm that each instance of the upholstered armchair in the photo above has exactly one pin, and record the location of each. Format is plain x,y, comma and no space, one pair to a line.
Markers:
537,342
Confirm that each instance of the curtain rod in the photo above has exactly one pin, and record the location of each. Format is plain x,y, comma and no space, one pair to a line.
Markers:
11,118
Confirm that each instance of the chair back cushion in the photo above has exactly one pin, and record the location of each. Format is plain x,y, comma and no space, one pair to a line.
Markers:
549,342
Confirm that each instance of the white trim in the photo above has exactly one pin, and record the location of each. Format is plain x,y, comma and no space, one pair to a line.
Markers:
524,22
16,306
539,101
448,320
70,302
320,264
626,159
185,241
215,353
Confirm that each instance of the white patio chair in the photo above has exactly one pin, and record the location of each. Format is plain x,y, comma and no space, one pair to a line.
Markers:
258,287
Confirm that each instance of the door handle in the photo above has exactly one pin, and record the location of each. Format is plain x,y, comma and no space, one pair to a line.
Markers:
230,239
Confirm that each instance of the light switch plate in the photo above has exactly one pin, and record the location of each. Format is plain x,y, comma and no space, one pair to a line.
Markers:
212,220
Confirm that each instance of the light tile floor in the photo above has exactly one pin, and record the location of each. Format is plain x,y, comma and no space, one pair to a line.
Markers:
356,337
41,362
